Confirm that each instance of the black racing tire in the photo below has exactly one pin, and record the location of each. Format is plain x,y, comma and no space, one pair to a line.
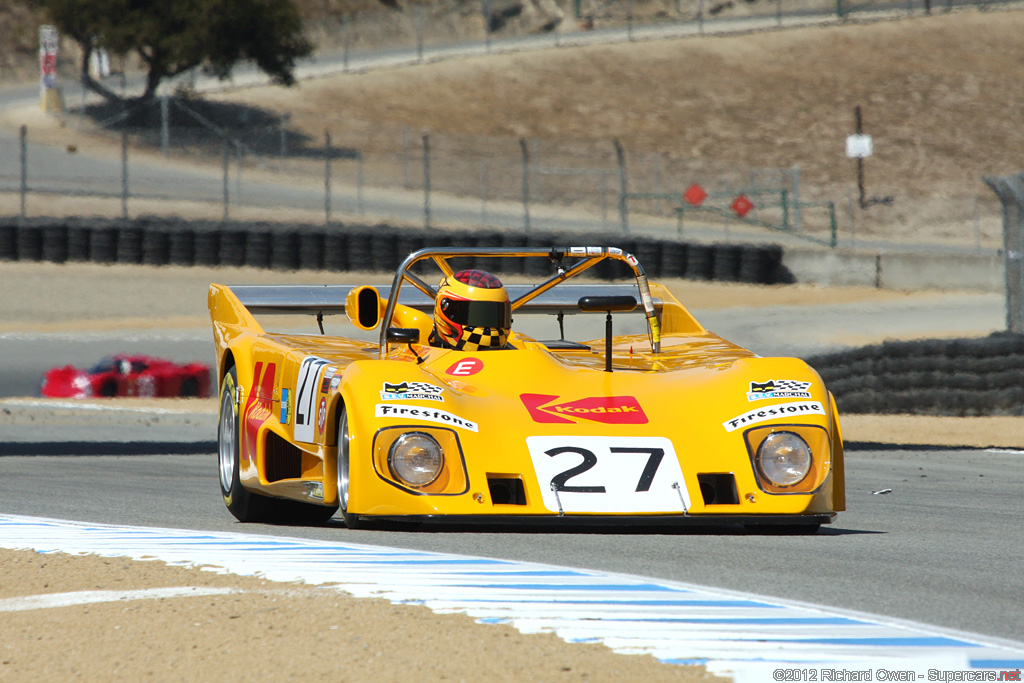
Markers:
108,390
189,387
245,505
351,520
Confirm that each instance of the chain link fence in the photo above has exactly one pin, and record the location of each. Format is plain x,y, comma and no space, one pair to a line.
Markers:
250,162
1010,190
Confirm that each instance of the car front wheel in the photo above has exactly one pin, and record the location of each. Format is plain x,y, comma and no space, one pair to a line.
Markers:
351,521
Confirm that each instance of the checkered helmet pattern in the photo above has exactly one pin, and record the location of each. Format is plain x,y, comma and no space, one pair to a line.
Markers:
481,339
472,311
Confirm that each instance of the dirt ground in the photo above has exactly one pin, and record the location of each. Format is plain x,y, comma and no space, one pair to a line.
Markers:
268,631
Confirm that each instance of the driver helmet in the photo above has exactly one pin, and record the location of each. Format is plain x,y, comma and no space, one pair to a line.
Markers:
472,311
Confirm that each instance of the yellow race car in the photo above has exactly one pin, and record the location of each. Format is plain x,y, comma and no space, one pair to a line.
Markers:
435,406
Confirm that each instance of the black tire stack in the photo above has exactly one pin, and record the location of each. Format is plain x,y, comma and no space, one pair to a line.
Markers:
159,241
955,377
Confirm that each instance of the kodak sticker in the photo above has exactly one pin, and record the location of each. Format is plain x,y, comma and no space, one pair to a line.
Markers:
613,410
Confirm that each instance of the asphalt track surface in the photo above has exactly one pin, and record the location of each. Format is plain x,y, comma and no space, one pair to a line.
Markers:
944,547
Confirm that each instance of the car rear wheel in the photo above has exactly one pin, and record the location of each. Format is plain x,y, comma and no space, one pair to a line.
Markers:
351,521
245,505
189,388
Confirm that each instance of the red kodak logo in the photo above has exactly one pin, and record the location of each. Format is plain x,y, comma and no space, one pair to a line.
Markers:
257,406
612,410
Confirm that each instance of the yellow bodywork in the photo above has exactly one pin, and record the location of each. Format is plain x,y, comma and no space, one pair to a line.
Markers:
510,422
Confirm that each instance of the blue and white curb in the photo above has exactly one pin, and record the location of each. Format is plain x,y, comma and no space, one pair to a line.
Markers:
749,637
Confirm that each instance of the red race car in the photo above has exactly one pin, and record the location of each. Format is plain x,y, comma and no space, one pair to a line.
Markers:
129,375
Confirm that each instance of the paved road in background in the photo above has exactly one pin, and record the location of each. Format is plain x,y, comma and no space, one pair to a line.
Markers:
801,331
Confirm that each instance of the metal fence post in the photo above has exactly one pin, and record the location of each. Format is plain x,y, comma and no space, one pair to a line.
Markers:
345,38
419,33
483,192
629,21
23,157
284,135
165,125
1010,191
327,177
405,157
487,24
426,181
526,183
359,181
798,219
124,174
227,164
620,154
239,157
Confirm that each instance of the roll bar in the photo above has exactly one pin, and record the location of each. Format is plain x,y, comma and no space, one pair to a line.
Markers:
590,256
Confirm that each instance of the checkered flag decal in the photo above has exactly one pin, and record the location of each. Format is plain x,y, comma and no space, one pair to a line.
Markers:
424,388
790,385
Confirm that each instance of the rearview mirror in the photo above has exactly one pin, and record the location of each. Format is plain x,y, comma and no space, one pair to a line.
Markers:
403,335
611,304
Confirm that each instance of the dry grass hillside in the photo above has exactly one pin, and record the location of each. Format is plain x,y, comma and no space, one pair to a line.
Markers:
940,95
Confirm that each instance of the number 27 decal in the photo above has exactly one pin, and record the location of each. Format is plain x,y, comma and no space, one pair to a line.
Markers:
589,460
608,474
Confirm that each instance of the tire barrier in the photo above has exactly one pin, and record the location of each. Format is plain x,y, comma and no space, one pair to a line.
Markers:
699,262
160,241
156,246
951,377
8,243
55,243
129,245
232,248
29,245
181,248
79,238
103,244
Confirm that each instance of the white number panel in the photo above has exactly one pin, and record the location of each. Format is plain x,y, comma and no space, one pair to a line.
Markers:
305,397
608,474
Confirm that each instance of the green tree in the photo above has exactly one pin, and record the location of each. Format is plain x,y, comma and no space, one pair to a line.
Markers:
172,36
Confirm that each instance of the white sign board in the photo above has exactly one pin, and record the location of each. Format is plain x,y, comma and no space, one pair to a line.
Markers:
858,146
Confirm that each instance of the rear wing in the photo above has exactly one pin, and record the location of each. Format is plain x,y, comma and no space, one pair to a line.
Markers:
324,300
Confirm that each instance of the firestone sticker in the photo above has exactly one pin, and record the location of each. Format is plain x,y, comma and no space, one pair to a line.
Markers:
427,414
773,412
778,388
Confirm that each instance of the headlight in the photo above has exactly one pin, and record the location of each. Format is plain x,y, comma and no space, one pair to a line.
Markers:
416,458
784,458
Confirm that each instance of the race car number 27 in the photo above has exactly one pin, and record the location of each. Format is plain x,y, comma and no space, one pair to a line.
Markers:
608,474
308,382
